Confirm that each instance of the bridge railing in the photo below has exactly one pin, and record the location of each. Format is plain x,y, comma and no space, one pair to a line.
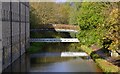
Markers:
54,40
58,26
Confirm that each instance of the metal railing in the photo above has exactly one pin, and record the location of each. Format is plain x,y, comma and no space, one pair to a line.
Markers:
54,40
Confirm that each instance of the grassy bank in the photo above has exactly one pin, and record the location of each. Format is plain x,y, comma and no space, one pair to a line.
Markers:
106,66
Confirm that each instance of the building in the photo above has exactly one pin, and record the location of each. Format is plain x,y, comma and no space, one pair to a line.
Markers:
14,31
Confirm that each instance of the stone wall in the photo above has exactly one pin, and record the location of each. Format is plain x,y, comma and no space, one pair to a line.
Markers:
14,31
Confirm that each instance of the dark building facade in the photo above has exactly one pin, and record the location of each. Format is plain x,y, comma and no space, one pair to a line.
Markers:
14,31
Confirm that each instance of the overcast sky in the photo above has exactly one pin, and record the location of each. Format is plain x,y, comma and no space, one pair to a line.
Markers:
60,0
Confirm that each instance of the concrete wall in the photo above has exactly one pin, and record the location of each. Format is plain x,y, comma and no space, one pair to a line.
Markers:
20,65
6,34
0,38
14,31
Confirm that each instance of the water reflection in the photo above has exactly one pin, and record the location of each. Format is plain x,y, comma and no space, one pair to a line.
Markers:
66,64
52,64
22,64
40,62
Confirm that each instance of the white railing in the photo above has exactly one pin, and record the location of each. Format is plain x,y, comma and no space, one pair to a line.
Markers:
54,40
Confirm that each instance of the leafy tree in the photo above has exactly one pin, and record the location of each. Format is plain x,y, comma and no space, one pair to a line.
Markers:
50,12
89,18
98,22
75,7
112,26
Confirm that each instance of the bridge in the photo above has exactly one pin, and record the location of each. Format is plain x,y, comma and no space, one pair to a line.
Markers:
57,30
57,27
14,32
54,40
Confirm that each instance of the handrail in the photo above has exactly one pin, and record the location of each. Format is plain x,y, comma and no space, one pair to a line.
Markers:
58,26
54,40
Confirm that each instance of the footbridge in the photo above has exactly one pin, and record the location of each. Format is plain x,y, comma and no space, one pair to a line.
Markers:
54,40
57,27
57,30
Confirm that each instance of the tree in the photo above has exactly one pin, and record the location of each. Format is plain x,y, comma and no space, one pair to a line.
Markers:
50,12
75,7
98,22
112,26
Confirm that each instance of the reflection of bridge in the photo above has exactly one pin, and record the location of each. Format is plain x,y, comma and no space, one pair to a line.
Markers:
54,40
58,54
58,28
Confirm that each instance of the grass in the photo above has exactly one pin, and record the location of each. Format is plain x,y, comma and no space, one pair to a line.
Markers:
86,49
106,66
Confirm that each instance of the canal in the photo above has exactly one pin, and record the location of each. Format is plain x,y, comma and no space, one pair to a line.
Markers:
51,61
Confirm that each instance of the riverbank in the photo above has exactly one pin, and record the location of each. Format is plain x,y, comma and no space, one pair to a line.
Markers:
106,66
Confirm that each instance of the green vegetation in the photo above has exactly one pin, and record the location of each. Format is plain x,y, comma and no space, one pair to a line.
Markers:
43,13
98,22
89,15
106,66
36,47
99,25
86,49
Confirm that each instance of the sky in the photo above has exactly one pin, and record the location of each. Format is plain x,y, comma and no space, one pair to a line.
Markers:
60,0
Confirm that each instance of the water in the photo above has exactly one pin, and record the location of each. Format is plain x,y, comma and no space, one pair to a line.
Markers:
65,64
41,63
